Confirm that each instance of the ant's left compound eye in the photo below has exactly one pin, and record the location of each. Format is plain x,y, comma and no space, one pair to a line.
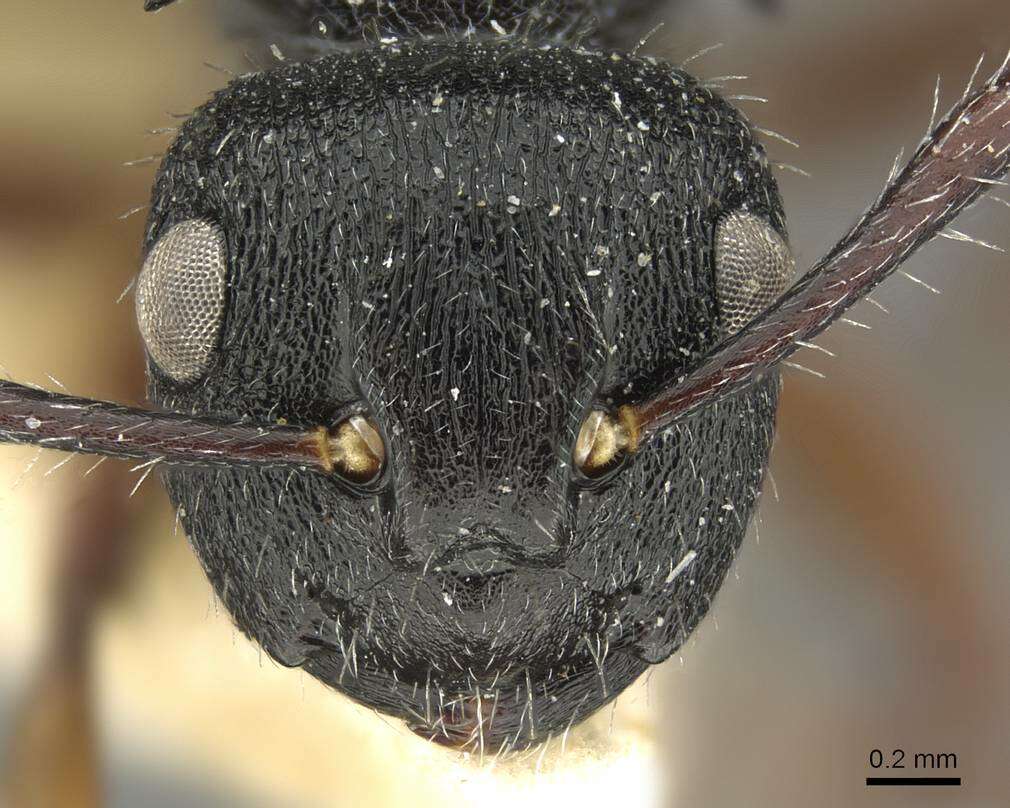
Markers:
181,298
753,266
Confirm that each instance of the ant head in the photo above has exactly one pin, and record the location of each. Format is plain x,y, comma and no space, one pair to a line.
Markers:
470,362
467,258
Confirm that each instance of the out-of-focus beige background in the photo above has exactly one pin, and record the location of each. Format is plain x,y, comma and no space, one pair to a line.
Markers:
869,611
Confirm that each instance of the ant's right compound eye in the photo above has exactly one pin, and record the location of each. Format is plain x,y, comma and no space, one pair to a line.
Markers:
753,267
181,298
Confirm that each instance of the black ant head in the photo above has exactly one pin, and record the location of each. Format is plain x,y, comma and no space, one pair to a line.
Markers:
464,259
469,354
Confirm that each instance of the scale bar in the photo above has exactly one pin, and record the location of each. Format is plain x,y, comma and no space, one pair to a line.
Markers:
913,781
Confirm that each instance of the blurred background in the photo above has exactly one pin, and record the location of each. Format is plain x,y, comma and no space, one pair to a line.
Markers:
867,610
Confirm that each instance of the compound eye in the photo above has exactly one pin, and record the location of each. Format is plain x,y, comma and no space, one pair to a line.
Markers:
181,298
753,267
602,442
356,450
